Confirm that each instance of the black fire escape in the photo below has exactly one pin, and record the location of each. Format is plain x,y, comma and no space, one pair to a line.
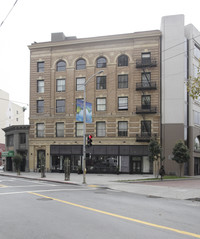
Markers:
146,84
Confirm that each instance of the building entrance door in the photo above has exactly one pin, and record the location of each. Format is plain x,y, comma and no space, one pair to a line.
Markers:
136,165
196,166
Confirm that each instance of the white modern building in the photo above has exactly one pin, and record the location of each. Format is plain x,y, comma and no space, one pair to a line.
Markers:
11,114
180,116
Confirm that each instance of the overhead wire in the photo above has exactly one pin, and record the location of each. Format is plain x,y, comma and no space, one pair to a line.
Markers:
8,13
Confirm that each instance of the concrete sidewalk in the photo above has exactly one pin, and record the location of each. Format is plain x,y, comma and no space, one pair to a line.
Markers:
116,182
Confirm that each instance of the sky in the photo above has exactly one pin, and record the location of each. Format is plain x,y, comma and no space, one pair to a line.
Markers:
35,20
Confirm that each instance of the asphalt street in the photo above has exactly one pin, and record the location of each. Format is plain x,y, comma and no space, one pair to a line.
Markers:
41,209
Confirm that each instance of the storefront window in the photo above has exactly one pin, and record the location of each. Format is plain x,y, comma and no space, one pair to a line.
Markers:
102,164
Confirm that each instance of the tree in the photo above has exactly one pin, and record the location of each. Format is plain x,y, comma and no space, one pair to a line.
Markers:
155,151
180,154
17,159
193,85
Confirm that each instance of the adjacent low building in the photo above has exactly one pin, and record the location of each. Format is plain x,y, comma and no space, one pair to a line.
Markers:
16,143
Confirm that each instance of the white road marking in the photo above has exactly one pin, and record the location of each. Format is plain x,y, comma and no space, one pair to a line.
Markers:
48,190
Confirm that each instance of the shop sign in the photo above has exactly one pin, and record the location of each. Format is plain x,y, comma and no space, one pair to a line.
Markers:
7,154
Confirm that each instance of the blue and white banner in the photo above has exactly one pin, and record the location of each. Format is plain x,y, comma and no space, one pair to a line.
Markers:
79,111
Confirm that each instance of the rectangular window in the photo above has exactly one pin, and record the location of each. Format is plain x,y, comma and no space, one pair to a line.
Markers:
146,128
40,130
40,106
80,83
79,129
123,103
22,138
122,81
196,117
40,66
60,85
60,129
146,58
101,104
122,128
40,86
10,140
146,101
101,129
101,82
146,79
60,106
197,51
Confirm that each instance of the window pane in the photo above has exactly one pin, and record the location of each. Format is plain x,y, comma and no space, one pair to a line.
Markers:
40,86
123,81
123,60
100,82
60,106
101,104
79,129
122,128
197,51
61,66
101,129
146,102
22,138
10,140
80,84
60,129
60,85
146,79
40,130
123,103
40,66
80,64
40,106
146,58
101,62
146,128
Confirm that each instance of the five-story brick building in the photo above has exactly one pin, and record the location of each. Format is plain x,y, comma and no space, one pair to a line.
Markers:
125,101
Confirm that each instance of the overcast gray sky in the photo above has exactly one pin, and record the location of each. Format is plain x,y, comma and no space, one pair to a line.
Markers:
35,20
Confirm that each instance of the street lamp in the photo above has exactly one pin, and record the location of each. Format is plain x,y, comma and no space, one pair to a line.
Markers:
84,125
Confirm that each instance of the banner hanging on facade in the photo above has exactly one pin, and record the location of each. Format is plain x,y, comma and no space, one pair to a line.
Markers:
79,111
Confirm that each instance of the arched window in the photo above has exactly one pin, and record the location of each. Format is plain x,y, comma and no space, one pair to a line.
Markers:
61,66
101,62
80,64
123,60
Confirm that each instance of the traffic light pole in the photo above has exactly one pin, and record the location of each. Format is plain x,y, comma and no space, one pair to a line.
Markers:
84,126
84,133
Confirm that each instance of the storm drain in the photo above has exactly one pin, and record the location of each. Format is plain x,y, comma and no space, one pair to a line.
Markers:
152,196
44,199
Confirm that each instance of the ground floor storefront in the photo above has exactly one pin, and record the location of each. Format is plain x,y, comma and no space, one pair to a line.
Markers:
99,159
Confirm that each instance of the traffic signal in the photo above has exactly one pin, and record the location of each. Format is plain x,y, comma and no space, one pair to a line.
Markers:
89,140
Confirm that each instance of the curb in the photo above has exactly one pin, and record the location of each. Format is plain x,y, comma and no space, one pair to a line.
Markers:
41,179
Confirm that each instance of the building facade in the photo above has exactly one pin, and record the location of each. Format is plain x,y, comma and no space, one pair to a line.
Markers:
16,143
125,100
11,114
180,114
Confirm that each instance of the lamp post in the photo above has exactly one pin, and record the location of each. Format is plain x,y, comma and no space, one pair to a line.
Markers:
84,125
